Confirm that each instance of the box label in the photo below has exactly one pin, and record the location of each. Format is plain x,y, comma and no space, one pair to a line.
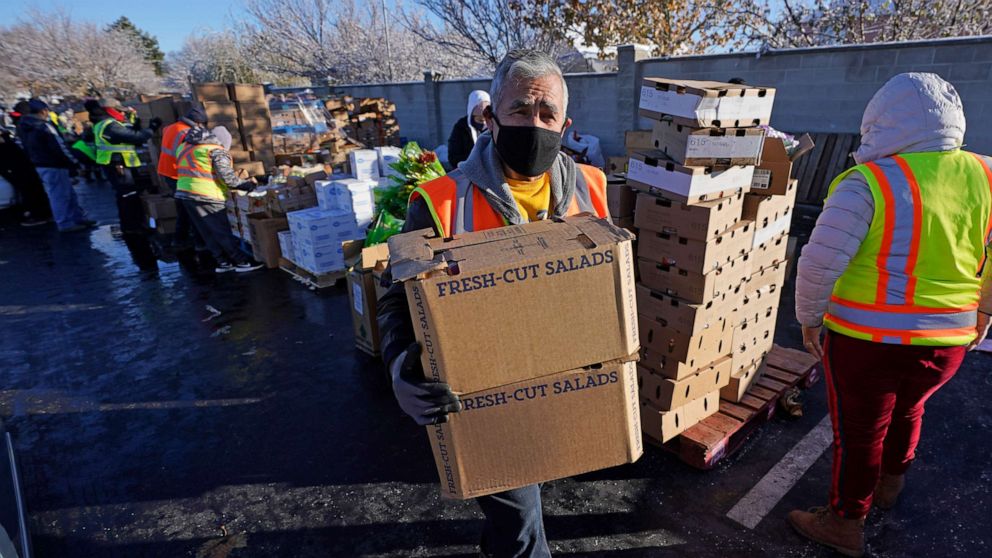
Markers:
762,179
542,390
723,147
520,274
356,294
668,102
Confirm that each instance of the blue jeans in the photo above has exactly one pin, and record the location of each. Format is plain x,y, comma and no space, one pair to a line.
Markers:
514,526
61,196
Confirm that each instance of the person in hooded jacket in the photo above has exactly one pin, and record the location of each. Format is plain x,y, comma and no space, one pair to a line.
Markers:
896,270
206,173
467,130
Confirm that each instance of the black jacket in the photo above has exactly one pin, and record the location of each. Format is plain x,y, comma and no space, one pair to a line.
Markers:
393,313
44,145
460,142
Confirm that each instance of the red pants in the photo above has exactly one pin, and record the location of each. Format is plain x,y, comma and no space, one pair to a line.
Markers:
876,394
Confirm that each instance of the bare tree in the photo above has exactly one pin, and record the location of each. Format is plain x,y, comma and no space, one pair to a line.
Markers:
671,27
209,56
52,54
800,23
340,42
483,30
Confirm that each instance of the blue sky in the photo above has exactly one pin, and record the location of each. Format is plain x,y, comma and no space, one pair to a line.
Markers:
168,20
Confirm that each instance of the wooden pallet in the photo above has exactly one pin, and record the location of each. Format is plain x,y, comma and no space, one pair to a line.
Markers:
723,434
315,280
829,157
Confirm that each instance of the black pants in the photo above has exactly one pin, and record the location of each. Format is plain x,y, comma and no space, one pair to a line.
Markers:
209,218
25,180
185,232
132,216
514,526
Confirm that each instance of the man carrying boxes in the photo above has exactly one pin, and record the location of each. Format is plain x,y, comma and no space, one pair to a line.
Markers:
514,175
896,269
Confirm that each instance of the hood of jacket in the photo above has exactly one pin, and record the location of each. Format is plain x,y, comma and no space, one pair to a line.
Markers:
485,169
200,136
912,112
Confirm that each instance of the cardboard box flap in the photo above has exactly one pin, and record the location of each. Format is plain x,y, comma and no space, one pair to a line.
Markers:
375,257
705,88
805,144
421,253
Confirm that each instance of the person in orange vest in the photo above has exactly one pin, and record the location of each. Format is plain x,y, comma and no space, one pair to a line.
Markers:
172,137
896,270
515,173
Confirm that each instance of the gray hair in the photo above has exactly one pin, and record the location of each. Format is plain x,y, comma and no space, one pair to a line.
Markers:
526,64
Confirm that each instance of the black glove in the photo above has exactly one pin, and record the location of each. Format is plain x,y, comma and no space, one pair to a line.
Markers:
425,401
154,124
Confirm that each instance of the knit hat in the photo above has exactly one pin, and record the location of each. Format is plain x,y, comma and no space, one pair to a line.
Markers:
36,105
223,136
109,102
197,115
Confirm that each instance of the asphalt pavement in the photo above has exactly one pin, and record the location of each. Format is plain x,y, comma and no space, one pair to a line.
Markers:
169,415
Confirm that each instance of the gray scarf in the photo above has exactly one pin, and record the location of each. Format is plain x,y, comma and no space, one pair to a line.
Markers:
484,169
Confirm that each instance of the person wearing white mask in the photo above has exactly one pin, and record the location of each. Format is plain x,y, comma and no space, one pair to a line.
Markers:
468,128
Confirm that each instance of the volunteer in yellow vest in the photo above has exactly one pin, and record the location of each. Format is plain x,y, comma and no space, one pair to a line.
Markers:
514,174
206,173
896,270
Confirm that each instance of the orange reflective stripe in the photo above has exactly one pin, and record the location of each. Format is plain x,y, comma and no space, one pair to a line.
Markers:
879,333
901,308
914,247
887,232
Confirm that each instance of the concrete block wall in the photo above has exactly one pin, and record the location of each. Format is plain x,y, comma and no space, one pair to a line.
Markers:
818,89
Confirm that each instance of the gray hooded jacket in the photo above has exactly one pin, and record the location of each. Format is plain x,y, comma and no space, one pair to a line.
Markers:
912,112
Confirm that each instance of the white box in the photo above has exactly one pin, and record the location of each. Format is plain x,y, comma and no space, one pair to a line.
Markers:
349,194
651,171
321,259
706,103
364,164
286,245
388,155
319,227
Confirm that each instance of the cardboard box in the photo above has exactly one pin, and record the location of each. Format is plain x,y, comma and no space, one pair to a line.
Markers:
616,165
772,215
264,232
666,393
665,425
256,127
757,305
708,147
770,253
620,200
348,194
767,278
692,287
466,296
537,430
624,223
362,297
286,199
637,140
702,221
741,382
247,93
211,91
388,155
159,206
162,109
239,156
705,104
696,256
752,341
651,171
775,171
320,228
220,111
253,111
248,203
253,168
695,349
286,245
364,164
685,316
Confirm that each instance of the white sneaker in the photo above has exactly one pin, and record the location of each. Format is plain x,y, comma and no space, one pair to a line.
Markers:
224,268
248,266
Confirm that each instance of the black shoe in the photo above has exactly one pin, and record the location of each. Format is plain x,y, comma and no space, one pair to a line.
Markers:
248,266
88,223
32,222
74,228
223,268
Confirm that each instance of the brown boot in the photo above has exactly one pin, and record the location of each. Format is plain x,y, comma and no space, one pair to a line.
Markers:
887,491
821,525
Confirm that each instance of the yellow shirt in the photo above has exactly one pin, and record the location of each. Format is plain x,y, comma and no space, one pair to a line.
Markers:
533,198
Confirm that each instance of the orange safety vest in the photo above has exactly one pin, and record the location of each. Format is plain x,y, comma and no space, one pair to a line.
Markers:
172,136
458,206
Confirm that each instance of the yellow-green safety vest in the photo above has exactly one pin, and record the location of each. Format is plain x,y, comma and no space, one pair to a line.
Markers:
196,171
85,148
105,150
917,277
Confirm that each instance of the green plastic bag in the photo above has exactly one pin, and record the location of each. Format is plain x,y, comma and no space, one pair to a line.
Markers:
384,227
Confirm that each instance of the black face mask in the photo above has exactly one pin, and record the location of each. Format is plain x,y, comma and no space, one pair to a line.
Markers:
528,150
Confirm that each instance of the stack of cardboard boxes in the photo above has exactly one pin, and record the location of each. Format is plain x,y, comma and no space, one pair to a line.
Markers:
710,253
242,109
